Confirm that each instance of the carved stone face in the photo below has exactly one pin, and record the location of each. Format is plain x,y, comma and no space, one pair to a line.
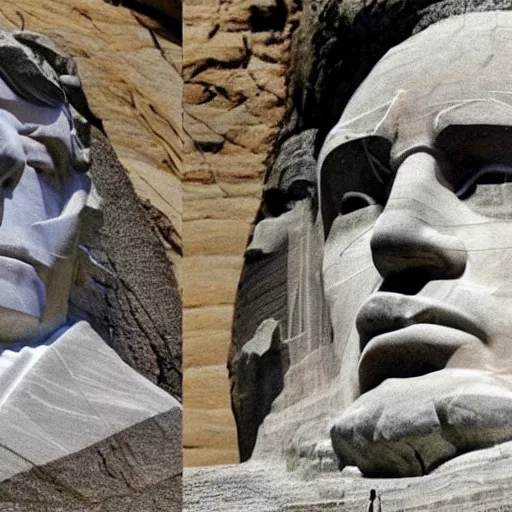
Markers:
417,209
42,197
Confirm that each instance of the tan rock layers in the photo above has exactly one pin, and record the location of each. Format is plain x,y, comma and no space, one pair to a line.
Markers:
235,57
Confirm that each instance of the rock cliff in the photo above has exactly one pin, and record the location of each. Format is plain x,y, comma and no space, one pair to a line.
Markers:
234,65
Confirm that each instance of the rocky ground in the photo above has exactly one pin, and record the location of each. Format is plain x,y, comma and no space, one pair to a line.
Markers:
478,481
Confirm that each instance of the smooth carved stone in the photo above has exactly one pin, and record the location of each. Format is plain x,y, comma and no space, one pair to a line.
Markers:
410,368
67,394
422,244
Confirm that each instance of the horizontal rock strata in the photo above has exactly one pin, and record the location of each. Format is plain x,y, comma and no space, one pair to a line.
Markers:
234,66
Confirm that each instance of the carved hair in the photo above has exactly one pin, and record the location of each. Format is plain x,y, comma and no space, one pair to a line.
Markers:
37,71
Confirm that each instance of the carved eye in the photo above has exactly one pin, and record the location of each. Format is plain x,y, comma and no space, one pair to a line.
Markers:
352,201
48,174
491,174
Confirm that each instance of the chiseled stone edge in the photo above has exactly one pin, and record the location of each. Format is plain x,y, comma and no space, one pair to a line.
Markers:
138,469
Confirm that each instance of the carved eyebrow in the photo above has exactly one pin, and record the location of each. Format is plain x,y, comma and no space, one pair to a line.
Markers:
482,171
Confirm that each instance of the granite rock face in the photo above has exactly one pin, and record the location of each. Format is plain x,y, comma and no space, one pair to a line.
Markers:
321,370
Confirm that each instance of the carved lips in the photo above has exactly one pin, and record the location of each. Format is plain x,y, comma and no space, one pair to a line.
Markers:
408,336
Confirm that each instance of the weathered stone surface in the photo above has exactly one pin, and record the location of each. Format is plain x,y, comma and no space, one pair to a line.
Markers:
235,60
131,77
145,307
155,8
138,469
267,487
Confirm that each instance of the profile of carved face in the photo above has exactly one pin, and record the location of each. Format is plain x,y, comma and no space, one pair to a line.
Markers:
416,200
42,197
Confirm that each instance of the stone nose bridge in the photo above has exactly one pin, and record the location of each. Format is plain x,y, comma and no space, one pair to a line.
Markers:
12,154
12,160
412,235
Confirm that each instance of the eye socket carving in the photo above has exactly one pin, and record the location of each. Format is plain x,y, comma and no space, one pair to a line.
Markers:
379,170
352,201
486,175
47,173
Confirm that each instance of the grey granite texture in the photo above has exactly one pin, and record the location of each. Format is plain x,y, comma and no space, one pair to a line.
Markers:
136,470
477,482
143,305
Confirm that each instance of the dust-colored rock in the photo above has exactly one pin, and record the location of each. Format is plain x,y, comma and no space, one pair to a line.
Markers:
235,64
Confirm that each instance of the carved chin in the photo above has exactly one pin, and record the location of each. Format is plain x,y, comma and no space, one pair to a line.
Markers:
408,427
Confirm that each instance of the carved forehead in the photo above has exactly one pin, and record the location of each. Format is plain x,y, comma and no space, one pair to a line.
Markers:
469,54
457,72
453,63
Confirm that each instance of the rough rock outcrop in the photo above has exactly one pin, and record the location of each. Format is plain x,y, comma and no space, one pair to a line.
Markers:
234,65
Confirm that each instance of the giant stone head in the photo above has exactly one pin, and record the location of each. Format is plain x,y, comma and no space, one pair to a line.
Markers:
391,344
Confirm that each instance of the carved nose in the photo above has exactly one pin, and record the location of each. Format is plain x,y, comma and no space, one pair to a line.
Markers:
12,161
413,240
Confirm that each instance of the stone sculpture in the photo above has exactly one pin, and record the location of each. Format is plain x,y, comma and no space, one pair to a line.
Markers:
426,204
399,355
371,328
73,414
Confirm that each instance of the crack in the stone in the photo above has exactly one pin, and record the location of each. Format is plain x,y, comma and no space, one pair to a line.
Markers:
225,136
159,359
221,91
86,15
263,89
419,458
163,227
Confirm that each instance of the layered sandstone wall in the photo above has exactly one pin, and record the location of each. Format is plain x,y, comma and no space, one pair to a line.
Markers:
236,53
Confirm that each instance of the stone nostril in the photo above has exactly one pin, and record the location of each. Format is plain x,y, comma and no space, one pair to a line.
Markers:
407,282
352,201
